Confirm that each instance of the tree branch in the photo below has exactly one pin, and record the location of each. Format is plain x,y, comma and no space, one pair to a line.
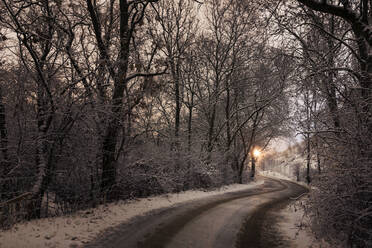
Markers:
322,6
361,28
146,75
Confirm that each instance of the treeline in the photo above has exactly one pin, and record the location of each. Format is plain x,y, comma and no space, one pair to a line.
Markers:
105,100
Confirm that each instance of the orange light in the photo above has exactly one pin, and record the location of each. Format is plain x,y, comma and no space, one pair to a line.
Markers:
256,153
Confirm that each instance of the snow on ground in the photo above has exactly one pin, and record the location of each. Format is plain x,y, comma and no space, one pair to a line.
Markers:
275,174
77,229
294,225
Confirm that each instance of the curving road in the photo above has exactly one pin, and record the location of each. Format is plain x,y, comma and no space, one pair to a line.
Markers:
229,220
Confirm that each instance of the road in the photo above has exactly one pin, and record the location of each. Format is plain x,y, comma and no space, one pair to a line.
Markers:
229,220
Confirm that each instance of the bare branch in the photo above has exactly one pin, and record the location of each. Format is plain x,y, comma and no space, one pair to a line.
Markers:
146,75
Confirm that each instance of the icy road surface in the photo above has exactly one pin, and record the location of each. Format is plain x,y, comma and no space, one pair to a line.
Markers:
233,219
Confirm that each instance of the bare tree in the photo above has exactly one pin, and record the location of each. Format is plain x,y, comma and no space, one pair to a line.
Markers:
178,26
131,14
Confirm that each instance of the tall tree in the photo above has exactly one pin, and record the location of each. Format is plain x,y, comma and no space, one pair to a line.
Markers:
178,26
40,53
131,15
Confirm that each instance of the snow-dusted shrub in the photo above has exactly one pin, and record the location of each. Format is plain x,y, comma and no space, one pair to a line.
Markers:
342,201
150,169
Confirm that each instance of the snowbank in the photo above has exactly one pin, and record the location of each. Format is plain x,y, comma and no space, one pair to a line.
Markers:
294,225
77,229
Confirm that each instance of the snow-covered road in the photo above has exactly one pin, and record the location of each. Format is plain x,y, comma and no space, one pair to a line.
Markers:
229,220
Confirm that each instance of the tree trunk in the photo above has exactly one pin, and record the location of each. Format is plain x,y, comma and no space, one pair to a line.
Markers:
316,135
113,127
108,156
43,160
364,101
330,86
34,209
256,121
253,169
308,159
210,134
189,127
4,164
227,116
178,104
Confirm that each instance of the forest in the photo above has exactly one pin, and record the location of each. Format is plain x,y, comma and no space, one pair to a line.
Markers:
102,100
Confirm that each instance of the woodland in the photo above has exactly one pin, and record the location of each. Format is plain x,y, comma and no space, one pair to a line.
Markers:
102,100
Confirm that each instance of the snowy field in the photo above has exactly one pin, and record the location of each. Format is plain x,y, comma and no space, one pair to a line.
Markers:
80,228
